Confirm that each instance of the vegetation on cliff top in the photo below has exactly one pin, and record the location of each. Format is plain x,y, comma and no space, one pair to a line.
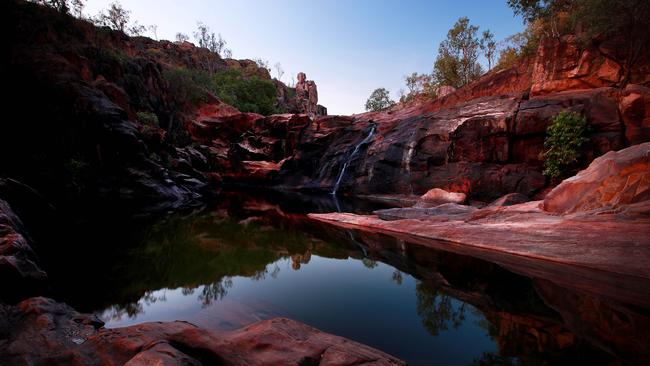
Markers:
379,100
457,60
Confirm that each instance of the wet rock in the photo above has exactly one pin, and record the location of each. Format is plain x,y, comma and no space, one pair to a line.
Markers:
442,212
39,331
611,182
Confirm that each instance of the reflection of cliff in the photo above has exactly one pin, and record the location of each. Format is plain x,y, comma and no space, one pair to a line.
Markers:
531,319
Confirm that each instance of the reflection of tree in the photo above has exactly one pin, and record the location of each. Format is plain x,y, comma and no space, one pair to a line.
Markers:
437,309
369,263
492,359
215,291
133,309
118,312
397,277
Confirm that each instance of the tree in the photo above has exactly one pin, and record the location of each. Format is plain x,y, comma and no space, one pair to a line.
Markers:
215,43
262,63
279,70
182,37
564,138
154,30
627,19
489,47
116,17
544,12
418,84
64,6
136,29
456,64
379,100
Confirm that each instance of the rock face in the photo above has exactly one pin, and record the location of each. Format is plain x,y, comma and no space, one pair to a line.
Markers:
613,181
19,269
86,141
462,149
307,97
40,331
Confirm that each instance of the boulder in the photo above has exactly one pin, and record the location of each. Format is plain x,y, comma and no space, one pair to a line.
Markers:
437,196
611,182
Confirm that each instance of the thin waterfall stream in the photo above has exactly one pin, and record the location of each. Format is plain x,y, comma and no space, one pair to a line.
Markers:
351,156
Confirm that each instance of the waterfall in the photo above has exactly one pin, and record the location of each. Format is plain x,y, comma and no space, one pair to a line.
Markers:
354,152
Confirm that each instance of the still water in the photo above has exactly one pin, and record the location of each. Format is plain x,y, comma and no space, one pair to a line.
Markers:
250,258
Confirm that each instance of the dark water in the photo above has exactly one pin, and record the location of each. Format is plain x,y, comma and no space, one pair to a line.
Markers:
253,257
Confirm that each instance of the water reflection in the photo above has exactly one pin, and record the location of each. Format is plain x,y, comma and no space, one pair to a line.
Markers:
251,257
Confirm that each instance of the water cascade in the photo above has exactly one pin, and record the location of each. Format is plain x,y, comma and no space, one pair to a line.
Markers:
351,156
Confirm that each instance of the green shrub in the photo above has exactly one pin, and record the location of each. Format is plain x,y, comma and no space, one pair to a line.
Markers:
187,86
564,138
147,118
246,94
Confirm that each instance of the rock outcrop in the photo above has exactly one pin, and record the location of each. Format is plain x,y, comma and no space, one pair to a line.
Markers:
307,97
40,331
617,181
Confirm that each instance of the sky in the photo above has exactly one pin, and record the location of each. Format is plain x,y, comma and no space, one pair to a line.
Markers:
348,47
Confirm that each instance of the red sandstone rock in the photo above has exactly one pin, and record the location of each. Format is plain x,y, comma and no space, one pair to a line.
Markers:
561,64
439,196
635,110
612,181
39,331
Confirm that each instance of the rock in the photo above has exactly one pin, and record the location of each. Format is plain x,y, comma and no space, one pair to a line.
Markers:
439,196
249,68
599,106
525,235
441,212
41,331
611,182
445,90
19,269
563,64
509,200
635,110
307,96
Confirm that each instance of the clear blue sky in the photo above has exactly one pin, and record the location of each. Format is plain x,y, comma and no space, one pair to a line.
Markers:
349,47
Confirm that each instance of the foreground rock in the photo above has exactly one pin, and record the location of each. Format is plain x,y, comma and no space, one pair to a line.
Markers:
614,181
40,331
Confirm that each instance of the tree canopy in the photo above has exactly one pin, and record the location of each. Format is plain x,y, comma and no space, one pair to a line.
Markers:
457,61
379,100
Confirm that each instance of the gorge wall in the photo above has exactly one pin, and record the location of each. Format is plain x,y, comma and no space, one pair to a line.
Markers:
484,139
